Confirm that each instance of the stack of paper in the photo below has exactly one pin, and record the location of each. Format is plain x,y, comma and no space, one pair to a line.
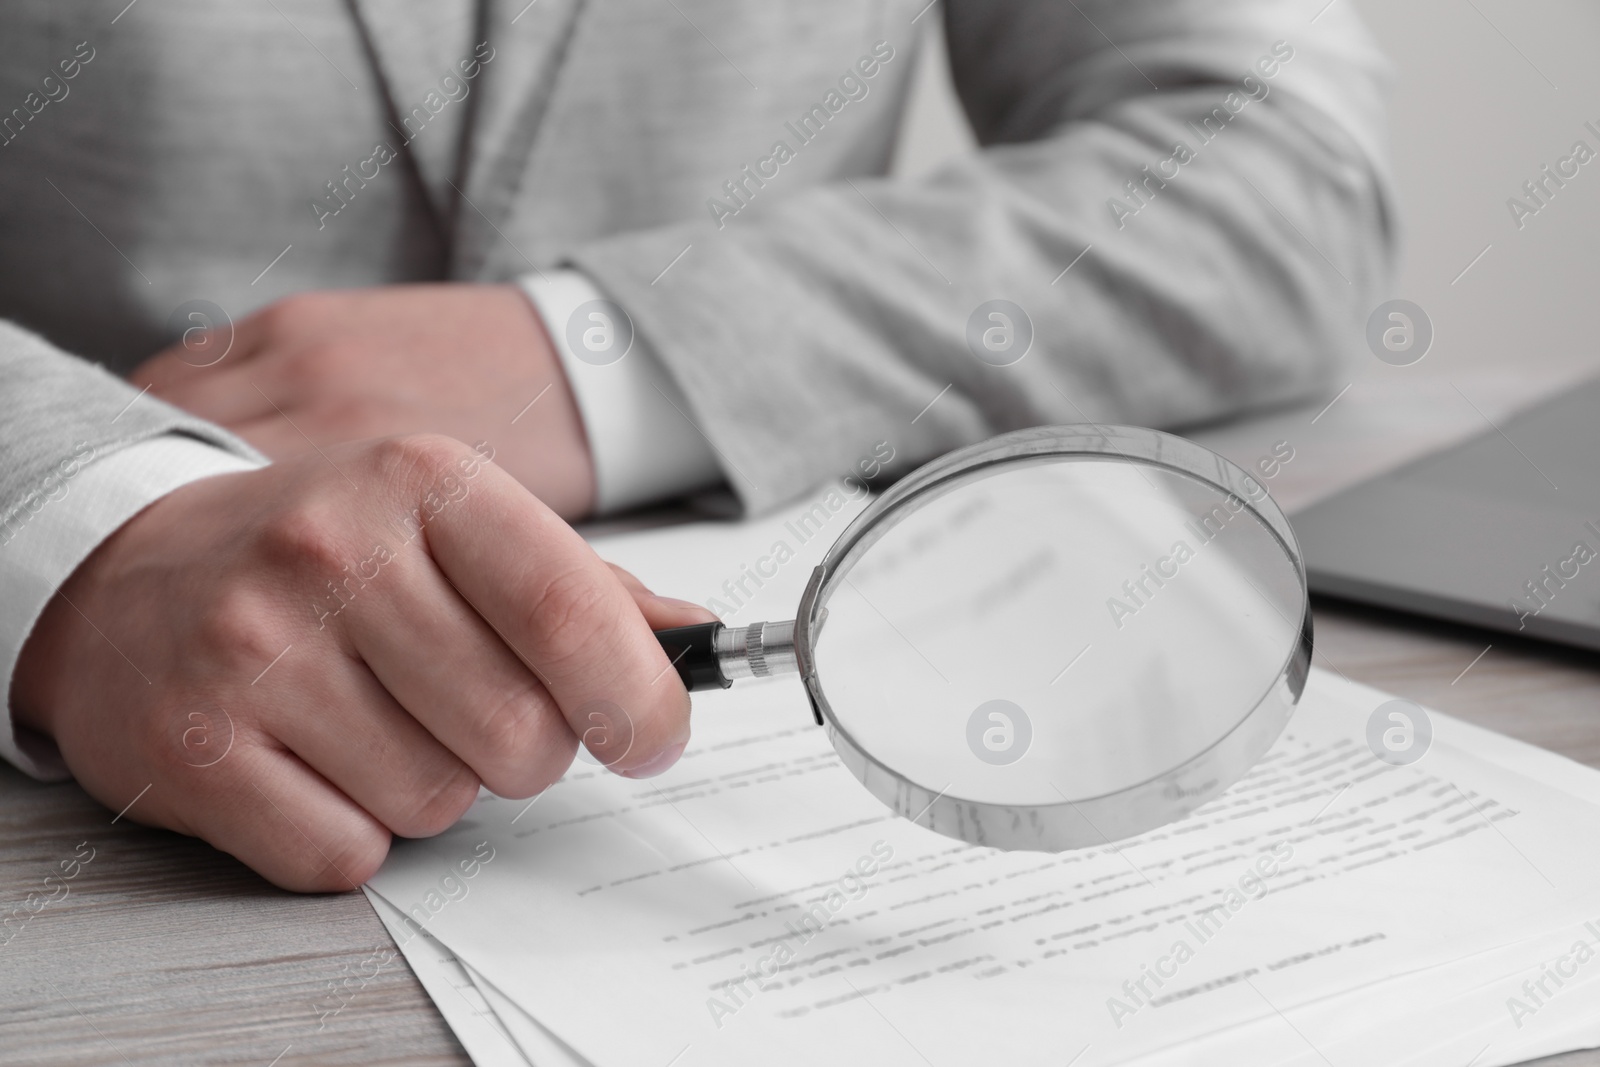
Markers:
756,904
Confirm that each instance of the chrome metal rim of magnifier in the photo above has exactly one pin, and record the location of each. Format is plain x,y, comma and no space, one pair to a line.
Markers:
713,655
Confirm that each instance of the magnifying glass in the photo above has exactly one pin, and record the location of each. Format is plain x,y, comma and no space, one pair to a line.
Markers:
1054,639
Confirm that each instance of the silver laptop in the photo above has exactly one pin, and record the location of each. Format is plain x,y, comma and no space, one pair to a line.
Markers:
1502,531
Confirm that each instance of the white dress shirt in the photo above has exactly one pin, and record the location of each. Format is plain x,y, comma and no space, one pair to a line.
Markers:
644,446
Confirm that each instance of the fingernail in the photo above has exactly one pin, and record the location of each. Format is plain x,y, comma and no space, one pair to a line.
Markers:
675,602
666,758
685,605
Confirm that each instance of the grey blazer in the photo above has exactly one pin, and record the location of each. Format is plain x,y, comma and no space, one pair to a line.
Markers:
716,167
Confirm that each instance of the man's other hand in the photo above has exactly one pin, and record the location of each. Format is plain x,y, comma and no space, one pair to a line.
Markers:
321,368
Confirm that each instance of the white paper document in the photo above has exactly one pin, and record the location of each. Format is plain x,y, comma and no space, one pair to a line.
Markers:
494,1031
756,904
476,1024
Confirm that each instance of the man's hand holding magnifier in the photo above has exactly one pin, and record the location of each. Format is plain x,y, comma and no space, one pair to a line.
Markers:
302,660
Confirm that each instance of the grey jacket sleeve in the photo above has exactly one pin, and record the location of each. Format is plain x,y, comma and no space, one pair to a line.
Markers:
58,413
816,325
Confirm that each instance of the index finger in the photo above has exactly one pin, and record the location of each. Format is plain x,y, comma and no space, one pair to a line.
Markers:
563,612
197,350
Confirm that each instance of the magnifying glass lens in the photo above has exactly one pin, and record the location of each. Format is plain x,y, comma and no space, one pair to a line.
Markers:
1058,634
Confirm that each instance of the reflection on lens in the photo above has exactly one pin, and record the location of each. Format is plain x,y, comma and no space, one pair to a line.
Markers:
1056,629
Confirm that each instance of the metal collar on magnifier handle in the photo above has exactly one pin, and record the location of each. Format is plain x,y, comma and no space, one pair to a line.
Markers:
712,656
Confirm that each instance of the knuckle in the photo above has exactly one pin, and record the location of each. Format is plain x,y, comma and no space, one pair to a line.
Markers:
419,461
566,614
303,538
234,628
342,867
162,751
510,731
526,748
439,807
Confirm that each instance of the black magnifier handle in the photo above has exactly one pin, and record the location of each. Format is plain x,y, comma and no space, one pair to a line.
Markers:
711,656
693,652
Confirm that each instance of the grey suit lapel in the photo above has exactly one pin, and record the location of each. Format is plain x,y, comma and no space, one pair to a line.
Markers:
471,157
413,45
530,41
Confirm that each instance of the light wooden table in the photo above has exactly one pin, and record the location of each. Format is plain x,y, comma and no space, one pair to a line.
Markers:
167,952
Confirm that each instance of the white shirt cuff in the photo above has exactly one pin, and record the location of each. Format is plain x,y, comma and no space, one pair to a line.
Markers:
644,445
39,549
